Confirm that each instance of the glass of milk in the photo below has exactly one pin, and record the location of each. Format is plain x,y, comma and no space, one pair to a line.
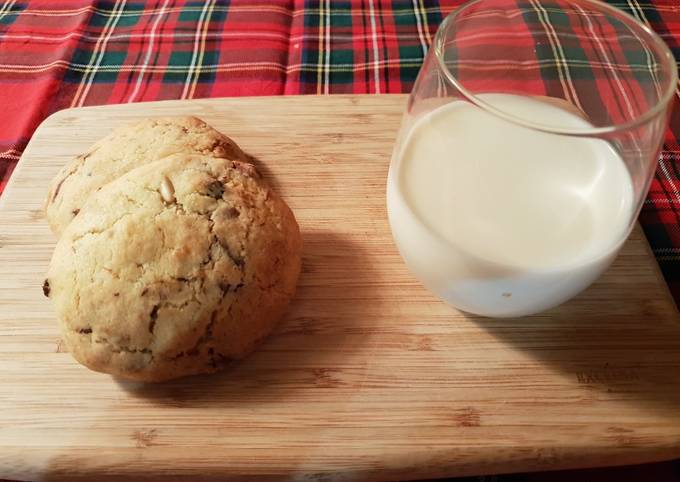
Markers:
528,145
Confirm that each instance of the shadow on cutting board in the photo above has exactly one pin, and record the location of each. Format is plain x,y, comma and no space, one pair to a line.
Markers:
266,173
618,340
308,349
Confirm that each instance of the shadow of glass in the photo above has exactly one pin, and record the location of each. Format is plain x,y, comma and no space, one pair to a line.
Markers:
612,344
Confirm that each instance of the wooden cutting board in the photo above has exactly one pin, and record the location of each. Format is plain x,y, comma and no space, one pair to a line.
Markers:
368,376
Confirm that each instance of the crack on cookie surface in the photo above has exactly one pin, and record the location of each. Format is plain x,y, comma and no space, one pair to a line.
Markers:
121,348
208,259
96,232
204,339
61,183
78,162
238,261
153,316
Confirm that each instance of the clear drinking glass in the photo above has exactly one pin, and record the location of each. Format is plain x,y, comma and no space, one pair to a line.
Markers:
527,148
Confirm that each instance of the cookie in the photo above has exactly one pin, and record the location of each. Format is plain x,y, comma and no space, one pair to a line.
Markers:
174,269
125,149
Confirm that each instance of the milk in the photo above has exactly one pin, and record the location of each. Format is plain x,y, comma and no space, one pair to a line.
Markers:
502,220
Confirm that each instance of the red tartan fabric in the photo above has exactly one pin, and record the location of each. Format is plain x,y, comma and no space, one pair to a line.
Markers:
56,54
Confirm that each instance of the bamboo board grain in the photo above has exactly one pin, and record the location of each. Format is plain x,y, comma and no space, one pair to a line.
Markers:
369,376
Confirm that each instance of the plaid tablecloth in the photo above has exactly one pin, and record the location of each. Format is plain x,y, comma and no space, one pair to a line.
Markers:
56,54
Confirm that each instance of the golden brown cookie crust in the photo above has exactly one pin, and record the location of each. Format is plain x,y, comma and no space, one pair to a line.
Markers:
174,269
125,149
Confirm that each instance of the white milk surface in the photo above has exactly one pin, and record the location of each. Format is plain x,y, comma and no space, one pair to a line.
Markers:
502,220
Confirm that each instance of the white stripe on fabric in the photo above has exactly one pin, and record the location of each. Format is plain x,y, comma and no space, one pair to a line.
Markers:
194,54
149,52
640,15
97,55
608,64
552,47
327,67
8,153
556,46
426,25
201,51
419,26
6,7
376,50
320,50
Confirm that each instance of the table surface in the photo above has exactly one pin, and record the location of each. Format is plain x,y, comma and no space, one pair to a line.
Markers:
89,53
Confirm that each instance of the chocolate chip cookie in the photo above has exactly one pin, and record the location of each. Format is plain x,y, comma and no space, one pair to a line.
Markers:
175,268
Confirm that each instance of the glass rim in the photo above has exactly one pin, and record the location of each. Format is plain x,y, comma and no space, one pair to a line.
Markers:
660,105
